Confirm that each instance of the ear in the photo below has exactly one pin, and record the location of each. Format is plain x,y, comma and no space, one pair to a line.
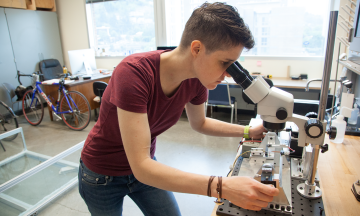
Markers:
195,47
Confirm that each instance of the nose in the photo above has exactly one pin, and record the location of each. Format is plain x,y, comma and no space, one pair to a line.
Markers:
227,74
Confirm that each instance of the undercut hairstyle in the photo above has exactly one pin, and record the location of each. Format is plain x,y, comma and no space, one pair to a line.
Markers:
218,26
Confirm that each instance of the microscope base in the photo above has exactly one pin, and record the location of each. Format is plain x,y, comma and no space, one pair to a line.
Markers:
300,206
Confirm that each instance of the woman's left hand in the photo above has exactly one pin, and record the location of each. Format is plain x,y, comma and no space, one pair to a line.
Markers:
257,131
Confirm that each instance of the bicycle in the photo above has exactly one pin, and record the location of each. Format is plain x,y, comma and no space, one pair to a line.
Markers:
73,107
8,122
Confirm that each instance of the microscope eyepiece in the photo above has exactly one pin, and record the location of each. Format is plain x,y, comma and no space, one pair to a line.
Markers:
240,75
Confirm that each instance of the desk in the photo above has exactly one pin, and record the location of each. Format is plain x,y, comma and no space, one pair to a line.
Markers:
85,87
283,82
338,169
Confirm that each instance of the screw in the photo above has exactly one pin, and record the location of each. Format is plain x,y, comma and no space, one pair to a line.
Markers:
301,188
317,191
288,208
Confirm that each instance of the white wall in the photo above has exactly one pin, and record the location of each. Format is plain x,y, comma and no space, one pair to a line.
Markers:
73,31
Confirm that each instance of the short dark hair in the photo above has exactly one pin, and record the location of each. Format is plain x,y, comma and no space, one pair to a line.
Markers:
218,26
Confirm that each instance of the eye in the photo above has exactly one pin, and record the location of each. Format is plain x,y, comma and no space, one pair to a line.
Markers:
226,63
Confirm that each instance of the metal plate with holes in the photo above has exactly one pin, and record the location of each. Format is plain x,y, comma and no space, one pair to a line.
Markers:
237,166
300,206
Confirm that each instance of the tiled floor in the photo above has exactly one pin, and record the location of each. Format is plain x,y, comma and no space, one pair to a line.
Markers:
179,147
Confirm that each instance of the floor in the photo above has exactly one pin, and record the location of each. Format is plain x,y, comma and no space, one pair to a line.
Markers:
179,147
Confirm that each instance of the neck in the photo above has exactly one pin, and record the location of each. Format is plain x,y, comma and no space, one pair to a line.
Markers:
175,67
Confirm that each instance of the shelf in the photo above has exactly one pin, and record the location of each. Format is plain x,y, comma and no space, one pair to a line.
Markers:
351,66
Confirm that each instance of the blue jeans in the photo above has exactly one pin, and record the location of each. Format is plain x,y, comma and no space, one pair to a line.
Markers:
104,195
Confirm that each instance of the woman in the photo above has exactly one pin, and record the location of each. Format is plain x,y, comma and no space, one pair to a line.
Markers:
146,96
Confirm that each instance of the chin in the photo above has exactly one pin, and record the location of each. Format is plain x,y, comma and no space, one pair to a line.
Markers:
211,86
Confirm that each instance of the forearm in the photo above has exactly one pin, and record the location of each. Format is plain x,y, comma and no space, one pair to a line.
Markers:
215,127
168,178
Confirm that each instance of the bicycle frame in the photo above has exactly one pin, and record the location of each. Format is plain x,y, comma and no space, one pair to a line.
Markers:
55,109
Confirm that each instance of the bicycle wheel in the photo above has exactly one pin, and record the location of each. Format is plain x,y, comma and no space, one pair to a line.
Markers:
80,117
33,109
8,122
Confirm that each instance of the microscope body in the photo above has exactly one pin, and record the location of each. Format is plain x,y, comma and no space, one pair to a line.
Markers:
276,106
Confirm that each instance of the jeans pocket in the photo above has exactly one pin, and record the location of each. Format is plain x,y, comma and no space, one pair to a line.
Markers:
93,180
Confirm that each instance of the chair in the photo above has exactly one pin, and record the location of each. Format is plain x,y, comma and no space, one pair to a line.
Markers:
99,88
220,96
50,69
7,95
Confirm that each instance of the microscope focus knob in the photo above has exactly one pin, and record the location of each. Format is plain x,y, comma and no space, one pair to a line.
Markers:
332,132
314,128
281,113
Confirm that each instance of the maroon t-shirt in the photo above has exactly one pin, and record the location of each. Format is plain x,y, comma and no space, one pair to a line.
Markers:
135,86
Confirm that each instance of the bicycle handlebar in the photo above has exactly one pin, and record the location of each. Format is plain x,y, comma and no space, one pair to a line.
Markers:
19,75
62,76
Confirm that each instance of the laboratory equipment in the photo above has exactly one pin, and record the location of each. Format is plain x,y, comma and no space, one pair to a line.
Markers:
340,125
354,115
269,162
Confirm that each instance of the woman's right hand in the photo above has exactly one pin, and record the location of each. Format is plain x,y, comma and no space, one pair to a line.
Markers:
247,193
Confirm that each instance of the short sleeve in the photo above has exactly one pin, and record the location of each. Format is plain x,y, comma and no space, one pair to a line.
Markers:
130,87
201,96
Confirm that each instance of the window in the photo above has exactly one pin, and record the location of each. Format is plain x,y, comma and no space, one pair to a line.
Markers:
121,28
263,41
265,21
291,27
264,31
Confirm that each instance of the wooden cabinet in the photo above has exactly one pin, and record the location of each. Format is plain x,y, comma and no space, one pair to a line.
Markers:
13,3
48,5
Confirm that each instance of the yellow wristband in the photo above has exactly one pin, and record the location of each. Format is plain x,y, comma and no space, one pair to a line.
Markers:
246,132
